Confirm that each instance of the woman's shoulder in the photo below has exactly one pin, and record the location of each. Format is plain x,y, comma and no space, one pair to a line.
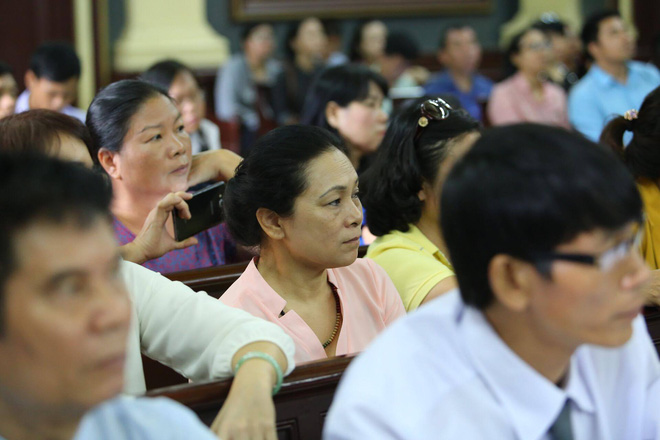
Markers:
362,271
399,240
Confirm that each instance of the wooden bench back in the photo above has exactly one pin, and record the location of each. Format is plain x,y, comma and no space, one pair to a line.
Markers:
300,406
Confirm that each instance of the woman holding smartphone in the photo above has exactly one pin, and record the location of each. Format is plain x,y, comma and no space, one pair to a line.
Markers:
138,138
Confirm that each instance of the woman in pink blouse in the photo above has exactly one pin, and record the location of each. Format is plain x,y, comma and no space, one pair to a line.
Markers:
295,199
527,96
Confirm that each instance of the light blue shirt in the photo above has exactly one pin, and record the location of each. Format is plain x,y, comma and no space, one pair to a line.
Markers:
23,105
442,372
598,97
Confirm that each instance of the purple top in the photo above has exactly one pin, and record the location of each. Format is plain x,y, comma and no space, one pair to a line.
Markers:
213,244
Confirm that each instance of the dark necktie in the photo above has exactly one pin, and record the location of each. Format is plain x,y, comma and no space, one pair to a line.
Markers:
203,146
561,429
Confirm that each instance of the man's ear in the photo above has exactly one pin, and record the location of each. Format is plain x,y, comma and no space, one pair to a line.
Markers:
332,114
270,223
512,281
111,163
30,79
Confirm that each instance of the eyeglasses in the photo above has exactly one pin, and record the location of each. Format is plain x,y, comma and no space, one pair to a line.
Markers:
538,46
435,109
605,261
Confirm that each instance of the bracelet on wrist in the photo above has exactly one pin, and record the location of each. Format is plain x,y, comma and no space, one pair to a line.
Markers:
266,357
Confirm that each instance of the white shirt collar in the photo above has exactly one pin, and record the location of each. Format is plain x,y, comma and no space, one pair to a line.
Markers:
531,401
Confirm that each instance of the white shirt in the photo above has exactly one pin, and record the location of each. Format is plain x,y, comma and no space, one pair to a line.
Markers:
443,373
125,418
23,105
211,134
189,331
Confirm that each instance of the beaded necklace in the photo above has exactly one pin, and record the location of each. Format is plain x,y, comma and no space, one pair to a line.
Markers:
337,320
337,317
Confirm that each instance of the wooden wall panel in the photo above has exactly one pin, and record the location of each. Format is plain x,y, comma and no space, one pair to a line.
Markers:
25,24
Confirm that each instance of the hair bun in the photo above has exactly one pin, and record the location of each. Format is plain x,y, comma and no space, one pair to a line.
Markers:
630,116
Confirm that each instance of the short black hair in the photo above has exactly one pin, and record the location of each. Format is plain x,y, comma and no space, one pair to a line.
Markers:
444,35
592,27
55,61
111,110
525,189
35,187
402,164
162,73
402,43
341,84
272,176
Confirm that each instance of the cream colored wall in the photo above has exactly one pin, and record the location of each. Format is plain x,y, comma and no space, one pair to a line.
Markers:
84,42
569,11
158,29
529,11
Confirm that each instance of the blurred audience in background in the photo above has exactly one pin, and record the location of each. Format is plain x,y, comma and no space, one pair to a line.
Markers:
180,83
460,54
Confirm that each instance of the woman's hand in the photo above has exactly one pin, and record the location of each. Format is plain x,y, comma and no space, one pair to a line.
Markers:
213,165
248,412
154,240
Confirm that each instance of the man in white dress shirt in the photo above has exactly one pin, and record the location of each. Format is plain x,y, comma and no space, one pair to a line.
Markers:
543,339
52,81
65,314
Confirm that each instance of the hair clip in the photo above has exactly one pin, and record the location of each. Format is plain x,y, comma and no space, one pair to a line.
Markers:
630,115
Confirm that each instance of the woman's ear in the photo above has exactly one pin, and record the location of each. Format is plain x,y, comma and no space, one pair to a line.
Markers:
270,223
512,281
111,163
332,114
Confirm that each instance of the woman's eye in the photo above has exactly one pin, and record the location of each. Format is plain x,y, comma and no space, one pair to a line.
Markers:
356,194
334,202
180,128
156,138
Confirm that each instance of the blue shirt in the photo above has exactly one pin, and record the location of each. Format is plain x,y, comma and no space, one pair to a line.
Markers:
471,101
442,372
598,97
125,418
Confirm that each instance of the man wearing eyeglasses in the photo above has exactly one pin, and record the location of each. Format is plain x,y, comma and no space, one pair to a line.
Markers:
544,338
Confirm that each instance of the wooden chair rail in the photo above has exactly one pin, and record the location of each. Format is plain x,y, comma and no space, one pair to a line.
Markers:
301,404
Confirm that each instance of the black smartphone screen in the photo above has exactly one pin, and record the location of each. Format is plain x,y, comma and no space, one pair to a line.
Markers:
205,210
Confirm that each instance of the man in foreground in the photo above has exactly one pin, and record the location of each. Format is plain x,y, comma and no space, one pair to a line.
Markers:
65,313
544,338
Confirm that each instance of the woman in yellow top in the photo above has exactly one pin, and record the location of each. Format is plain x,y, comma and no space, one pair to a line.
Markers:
401,191
642,156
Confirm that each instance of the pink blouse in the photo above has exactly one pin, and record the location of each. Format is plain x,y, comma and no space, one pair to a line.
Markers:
512,101
369,303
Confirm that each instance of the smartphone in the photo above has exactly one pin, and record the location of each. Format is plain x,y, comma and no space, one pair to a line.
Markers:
205,210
